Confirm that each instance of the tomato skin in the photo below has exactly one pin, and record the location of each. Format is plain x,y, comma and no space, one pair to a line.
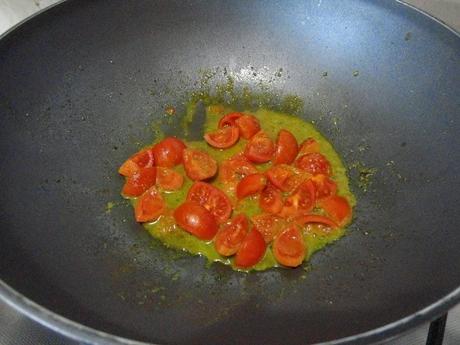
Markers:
252,250
286,148
168,152
138,183
315,218
223,138
229,119
324,186
150,206
248,125
211,198
337,208
314,163
196,220
309,145
269,225
199,165
250,185
141,159
232,170
169,179
260,148
271,199
301,201
230,237
289,248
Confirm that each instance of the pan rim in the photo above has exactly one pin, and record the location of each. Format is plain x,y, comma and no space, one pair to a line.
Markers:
80,332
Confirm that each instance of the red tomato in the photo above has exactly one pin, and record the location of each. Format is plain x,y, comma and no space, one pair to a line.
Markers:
286,148
314,163
278,175
269,225
337,208
229,119
271,199
301,201
229,239
324,186
260,148
315,218
168,152
252,250
223,138
289,247
199,165
309,145
138,183
294,181
196,219
169,179
150,206
248,126
234,169
211,198
251,184
141,159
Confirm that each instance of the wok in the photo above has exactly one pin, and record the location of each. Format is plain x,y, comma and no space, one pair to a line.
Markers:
80,85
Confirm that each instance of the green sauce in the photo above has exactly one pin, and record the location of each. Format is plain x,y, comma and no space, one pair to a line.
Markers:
172,236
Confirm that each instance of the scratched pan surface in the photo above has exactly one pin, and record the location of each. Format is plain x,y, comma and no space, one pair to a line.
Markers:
81,84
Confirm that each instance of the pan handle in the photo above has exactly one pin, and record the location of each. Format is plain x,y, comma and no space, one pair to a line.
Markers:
436,331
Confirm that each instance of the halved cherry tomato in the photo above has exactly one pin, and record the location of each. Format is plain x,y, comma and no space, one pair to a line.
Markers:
229,119
294,181
235,168
229,239
324,186
211,198
315,218
309,145
337,208
199,165
248,126
149,206
252,250
196,219
271,199
289,247
168,152
260,148
278,174
169,179
286,148
269,225
314,163
141,159
138,183
223,138
251,184
301,201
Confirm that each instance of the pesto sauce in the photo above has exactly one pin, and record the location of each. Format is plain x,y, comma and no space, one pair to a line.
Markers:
271,122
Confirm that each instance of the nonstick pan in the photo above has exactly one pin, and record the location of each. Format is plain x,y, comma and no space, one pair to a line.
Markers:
81,85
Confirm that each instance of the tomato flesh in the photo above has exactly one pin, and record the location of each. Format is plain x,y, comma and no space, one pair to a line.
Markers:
234,169
139,182
223,138
269,225
251,251
169,179
286,148
337,208
199,165
141,159
324,186
196,220
309,145
289,248
229,239
168,152
149,206
248,126
314,163
250,185
301,201
271,199
260,148
211,198
229,119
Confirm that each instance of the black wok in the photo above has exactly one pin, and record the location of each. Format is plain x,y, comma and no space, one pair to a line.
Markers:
79,87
